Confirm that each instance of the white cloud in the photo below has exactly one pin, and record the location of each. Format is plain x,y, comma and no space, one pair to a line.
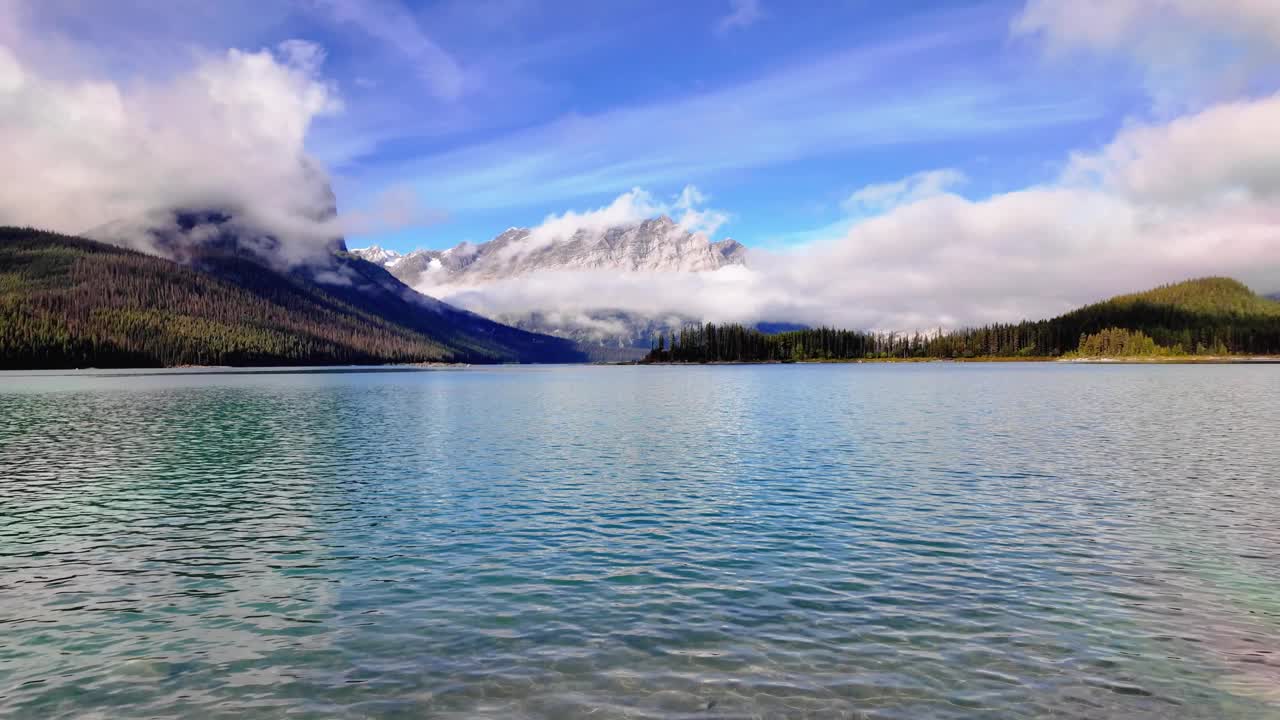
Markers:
880,197
1160,203
227,134
1189,50
1228,151
301,54
1111,24
11,75
742,14
389,22
692,215
837,104
628,209
394,208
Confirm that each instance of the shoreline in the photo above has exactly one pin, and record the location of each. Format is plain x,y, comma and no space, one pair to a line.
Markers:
420,367
1137,360
1178,360
178,370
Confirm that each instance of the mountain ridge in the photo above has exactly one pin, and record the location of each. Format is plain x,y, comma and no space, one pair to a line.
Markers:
654,245
67,301
1198,316
657,244
1214,295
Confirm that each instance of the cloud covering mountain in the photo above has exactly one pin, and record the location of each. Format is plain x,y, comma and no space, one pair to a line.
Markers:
1160,202
228,133
225,134
617,244
1194,193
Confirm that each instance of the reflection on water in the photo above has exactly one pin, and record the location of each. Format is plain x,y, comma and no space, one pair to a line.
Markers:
874,541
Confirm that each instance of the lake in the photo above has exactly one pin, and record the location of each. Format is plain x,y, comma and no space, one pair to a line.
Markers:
867,541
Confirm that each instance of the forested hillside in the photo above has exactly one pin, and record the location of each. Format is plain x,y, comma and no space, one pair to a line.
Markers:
69,302
1207,316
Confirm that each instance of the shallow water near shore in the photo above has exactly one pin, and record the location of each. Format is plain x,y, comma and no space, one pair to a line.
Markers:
880,541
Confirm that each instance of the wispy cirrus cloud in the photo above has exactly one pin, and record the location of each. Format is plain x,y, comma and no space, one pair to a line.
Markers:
742,14
1163,200
1131,25
229,134
390,22
839,103
1160,202
880,197
1189,51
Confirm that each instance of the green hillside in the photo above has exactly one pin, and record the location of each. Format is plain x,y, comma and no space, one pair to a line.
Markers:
70,302
1207,315
1210,316
1206,296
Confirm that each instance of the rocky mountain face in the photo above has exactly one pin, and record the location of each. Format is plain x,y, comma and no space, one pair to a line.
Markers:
655,245
605,333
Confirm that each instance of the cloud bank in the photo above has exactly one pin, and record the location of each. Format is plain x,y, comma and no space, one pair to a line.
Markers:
1190,51
880,197
1137,25
1159,203
227,134
1196,193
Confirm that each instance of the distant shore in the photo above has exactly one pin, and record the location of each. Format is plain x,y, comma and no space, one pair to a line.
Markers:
1179,360
412,367
319,369
1136,360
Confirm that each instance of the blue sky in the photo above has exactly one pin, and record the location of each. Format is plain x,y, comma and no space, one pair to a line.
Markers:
777,118
892,164
499,112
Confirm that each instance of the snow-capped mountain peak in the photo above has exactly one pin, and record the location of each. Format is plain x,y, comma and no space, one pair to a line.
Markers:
378,255
657,244
654,245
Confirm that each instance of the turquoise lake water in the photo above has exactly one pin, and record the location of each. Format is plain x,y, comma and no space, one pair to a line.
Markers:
865,541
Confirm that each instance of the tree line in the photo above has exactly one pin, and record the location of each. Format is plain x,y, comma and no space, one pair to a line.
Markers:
1215,316
67,302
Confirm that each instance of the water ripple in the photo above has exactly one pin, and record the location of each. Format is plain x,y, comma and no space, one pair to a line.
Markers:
734,542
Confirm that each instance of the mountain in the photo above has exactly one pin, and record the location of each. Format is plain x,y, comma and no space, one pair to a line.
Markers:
607,333
1209,316
1205,296
658,244
1205,315
1273,296
774,328
73,302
